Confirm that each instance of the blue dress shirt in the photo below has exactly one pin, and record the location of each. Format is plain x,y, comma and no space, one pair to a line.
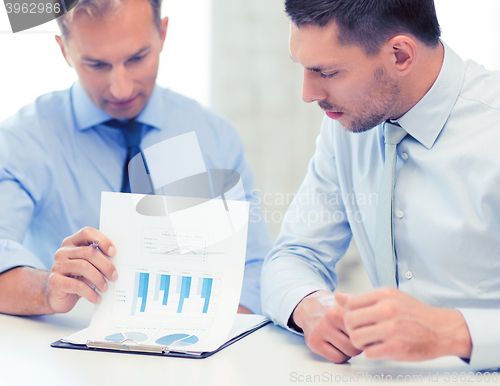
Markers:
56,158
446,215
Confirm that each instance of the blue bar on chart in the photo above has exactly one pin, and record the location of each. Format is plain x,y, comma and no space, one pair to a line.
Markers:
165,286
206,291
185,289
143,289
135,293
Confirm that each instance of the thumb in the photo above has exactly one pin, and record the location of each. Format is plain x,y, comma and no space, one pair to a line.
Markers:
341,299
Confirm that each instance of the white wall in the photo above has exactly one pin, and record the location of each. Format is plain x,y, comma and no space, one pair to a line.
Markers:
31,63
471,28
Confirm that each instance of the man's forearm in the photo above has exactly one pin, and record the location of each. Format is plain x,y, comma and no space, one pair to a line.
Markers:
23,292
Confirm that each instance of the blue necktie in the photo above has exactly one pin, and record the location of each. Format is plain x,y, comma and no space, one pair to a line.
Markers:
385,257
132,132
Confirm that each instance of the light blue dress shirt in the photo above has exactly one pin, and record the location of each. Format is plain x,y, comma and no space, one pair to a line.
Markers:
56,158
446,215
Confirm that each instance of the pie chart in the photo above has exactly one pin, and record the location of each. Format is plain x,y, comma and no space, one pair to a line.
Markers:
177,339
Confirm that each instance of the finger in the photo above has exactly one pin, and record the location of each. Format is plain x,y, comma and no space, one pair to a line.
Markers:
332,333
343,343
380,351
333,354
87,236
370,298
67,285
84,271
334,320
362,317
85,256
91,285
365,337
341,299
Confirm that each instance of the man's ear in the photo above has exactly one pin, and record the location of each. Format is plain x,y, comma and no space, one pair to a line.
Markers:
60,42
401,52
163,30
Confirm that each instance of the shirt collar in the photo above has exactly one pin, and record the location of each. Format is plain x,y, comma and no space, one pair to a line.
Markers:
151,113
87,114
426,119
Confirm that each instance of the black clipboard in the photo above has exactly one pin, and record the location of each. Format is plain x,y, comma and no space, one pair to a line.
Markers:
124,348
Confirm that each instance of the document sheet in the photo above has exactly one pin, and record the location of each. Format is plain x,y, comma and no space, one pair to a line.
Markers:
180,272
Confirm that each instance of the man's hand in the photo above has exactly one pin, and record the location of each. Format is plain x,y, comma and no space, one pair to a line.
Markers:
321,318
389,324
243,310
79,270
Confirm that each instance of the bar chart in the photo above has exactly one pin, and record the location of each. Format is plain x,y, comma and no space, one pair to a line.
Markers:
182,294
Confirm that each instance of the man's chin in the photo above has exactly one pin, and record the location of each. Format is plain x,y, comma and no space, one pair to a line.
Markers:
122,113
353,127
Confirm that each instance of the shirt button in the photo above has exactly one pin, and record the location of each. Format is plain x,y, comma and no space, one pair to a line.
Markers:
408,275
400,214
404,156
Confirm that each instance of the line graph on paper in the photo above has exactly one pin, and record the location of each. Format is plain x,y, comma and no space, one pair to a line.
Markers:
179,245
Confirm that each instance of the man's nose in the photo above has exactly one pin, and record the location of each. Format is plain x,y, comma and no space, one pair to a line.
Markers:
121,86
312,89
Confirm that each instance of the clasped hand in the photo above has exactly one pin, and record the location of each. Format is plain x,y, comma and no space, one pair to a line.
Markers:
80,269
384,324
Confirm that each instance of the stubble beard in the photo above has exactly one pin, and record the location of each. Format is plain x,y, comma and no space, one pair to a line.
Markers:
379,104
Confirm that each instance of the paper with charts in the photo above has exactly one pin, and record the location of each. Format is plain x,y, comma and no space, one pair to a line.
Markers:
180,272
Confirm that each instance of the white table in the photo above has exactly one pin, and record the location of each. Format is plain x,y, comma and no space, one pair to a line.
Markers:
270,356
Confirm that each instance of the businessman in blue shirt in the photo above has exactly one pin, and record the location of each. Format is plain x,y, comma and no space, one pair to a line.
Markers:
58,154
407,163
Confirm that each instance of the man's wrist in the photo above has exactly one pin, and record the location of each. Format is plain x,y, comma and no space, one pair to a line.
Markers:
26,289
455,335
301,311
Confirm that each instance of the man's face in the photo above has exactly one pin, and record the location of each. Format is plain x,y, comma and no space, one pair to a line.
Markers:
116,57
349,86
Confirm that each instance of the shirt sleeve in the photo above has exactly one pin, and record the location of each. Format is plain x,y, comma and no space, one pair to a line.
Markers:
314,235
21,173
15,214
484,329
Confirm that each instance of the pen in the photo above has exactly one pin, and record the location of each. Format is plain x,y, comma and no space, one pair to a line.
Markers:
95,245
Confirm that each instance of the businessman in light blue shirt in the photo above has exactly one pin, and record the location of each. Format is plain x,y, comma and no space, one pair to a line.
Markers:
366,62
57,156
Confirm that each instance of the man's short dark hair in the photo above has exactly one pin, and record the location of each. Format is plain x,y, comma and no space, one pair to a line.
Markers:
369,23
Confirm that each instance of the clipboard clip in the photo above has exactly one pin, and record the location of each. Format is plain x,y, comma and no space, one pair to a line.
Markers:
127,345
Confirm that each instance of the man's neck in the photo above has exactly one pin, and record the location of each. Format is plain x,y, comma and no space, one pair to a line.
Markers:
423,76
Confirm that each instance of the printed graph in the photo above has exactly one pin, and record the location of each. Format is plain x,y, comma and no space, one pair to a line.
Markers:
183,245
189,295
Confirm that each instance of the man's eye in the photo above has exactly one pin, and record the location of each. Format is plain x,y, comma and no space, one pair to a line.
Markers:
328,75
97,66
136,59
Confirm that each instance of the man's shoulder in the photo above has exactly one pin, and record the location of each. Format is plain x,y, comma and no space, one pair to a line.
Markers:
45,108
182,107
481,85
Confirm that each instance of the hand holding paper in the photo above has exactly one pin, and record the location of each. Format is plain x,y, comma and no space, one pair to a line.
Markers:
78,269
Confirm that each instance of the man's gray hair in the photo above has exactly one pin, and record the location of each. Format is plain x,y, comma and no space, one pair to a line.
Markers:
99,8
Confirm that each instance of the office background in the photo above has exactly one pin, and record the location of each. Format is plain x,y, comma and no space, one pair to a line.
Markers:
233,55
